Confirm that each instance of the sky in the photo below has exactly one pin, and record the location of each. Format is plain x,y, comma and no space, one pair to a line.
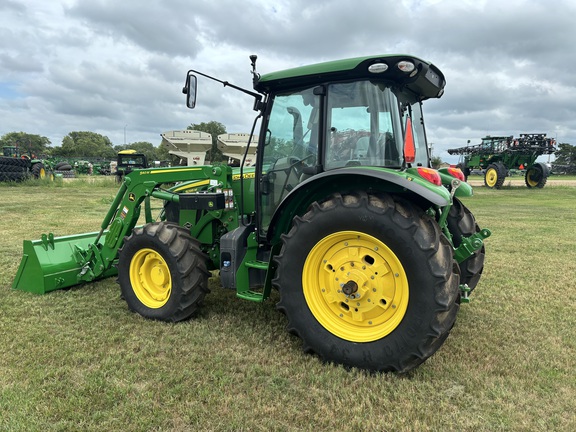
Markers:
118,67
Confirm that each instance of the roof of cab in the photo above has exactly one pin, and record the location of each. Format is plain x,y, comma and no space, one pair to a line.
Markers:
428,81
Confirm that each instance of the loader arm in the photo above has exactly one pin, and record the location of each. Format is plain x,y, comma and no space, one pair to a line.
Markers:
60,262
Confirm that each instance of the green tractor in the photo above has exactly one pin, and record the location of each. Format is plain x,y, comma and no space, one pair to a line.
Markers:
17,166
127,161
498,155
371,250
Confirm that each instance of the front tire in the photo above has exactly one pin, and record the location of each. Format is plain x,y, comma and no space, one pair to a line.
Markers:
461,223
368,282
162,272
495,175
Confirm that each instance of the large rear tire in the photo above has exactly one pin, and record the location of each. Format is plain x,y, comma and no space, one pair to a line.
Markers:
537,175
162,272
461,223
495,175
38,171
368,282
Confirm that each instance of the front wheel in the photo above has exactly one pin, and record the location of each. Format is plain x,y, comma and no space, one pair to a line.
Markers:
461,223
368,281
162,272
495,175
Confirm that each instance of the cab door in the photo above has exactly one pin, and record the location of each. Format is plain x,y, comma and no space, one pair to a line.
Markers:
290,137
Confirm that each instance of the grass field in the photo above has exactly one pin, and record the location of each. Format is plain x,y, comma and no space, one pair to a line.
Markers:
78,360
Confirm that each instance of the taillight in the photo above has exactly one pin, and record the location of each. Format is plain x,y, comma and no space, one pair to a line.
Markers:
431,175
456,173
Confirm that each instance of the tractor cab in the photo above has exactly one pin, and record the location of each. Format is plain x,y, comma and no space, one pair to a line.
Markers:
332,120
129,160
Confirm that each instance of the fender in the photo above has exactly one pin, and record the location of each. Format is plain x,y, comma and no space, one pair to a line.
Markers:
348,179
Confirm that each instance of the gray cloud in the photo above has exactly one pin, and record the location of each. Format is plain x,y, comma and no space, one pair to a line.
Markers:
106,65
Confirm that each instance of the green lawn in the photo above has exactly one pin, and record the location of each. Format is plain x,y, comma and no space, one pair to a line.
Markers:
78,360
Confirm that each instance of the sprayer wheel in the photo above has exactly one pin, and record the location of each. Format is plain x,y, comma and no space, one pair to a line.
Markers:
537,175
495,175
162,272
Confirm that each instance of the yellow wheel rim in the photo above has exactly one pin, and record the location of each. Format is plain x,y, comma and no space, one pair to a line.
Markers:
150,278
491,177
532,178
355,286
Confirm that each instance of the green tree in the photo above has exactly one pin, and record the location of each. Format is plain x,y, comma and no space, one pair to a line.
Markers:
163,154
85,144
436,162
214,128
32,145
565,155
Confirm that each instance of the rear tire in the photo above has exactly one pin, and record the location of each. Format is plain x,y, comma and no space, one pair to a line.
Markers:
537,176
162,272
495,175
461,223
390,255
38,171
12,176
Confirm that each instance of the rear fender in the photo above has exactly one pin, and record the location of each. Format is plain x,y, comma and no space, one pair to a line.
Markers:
349,179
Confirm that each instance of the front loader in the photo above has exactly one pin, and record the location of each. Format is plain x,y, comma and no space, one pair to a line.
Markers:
372,251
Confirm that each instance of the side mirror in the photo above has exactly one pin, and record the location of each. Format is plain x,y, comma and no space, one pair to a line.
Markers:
190,91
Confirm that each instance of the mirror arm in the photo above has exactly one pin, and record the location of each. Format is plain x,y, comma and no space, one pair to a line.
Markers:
258,105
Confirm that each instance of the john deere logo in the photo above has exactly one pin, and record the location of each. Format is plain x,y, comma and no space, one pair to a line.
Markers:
210,204
132,197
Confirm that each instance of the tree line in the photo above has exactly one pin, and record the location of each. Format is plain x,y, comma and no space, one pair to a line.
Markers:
85,144
82,144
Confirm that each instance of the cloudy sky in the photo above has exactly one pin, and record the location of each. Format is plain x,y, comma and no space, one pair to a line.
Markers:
117,67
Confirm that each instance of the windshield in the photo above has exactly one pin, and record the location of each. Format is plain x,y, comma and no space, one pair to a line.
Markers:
322,128
363,126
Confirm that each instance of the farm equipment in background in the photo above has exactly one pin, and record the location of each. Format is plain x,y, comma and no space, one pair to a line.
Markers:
129,160
64,169
190,146
84,167
372,251
234,146
17,166
498,155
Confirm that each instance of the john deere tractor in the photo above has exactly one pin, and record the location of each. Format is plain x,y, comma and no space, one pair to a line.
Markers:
371,250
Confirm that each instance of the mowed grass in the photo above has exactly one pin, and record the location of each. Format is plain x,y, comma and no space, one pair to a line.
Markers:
77,359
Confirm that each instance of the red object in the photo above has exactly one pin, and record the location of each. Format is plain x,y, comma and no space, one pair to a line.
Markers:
456,173
431,175
409,148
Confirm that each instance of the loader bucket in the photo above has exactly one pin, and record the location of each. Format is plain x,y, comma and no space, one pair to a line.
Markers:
54,263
